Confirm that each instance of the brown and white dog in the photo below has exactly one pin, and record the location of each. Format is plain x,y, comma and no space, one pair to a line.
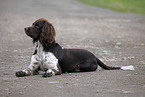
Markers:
50,57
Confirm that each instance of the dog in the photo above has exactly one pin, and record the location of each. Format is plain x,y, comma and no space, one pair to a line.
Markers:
53,59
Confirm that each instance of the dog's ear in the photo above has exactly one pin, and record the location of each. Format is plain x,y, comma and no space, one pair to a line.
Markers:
47,35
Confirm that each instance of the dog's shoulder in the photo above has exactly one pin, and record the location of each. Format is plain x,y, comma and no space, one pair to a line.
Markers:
57,50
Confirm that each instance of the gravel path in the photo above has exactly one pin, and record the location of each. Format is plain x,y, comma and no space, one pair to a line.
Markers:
116,38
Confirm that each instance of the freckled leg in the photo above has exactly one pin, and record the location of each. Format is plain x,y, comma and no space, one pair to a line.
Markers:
50,72
31,70
57,70
36,72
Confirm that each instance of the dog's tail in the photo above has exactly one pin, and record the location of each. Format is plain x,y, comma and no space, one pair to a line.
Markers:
101,64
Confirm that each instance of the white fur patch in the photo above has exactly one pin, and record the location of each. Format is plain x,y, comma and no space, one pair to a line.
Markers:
50,61
130,67
26,71
50,71
46,60
43,59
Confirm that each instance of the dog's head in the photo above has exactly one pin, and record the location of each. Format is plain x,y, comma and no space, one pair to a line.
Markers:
41,30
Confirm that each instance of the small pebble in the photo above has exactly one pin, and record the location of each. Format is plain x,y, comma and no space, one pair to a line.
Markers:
9,92
54,82
118,45
20,93
5,73
2,62
127,92
5,79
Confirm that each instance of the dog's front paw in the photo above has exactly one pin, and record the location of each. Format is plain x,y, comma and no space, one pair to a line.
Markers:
35,73
47,75
57,73
20,73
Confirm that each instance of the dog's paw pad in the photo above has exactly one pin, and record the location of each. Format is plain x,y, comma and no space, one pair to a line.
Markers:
47,75
20,74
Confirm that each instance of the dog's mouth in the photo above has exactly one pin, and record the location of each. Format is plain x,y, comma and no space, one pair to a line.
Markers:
28,34
27,31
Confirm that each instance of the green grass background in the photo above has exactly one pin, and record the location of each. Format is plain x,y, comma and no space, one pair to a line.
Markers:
132,6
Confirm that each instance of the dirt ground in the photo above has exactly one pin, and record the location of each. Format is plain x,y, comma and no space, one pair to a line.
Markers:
118,39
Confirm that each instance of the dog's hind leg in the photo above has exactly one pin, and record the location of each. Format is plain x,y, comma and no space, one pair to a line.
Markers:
88,65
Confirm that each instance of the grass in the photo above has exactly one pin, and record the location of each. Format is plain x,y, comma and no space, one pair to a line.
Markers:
132,6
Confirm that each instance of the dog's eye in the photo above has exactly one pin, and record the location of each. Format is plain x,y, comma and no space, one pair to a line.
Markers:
36,25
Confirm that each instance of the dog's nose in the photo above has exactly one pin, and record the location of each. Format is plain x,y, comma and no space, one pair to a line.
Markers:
26,29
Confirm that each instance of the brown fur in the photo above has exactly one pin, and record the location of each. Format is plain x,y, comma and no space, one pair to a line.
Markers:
47,35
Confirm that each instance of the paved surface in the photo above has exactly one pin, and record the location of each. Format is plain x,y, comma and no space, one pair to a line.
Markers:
117,38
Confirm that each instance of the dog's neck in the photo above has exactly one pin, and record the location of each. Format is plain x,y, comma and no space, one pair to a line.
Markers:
39,44
46,48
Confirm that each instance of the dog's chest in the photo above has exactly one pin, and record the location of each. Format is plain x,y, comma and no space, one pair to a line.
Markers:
41,54
45,57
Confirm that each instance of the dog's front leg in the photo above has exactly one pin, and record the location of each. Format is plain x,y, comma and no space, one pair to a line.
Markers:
51,67
32,68
48,73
